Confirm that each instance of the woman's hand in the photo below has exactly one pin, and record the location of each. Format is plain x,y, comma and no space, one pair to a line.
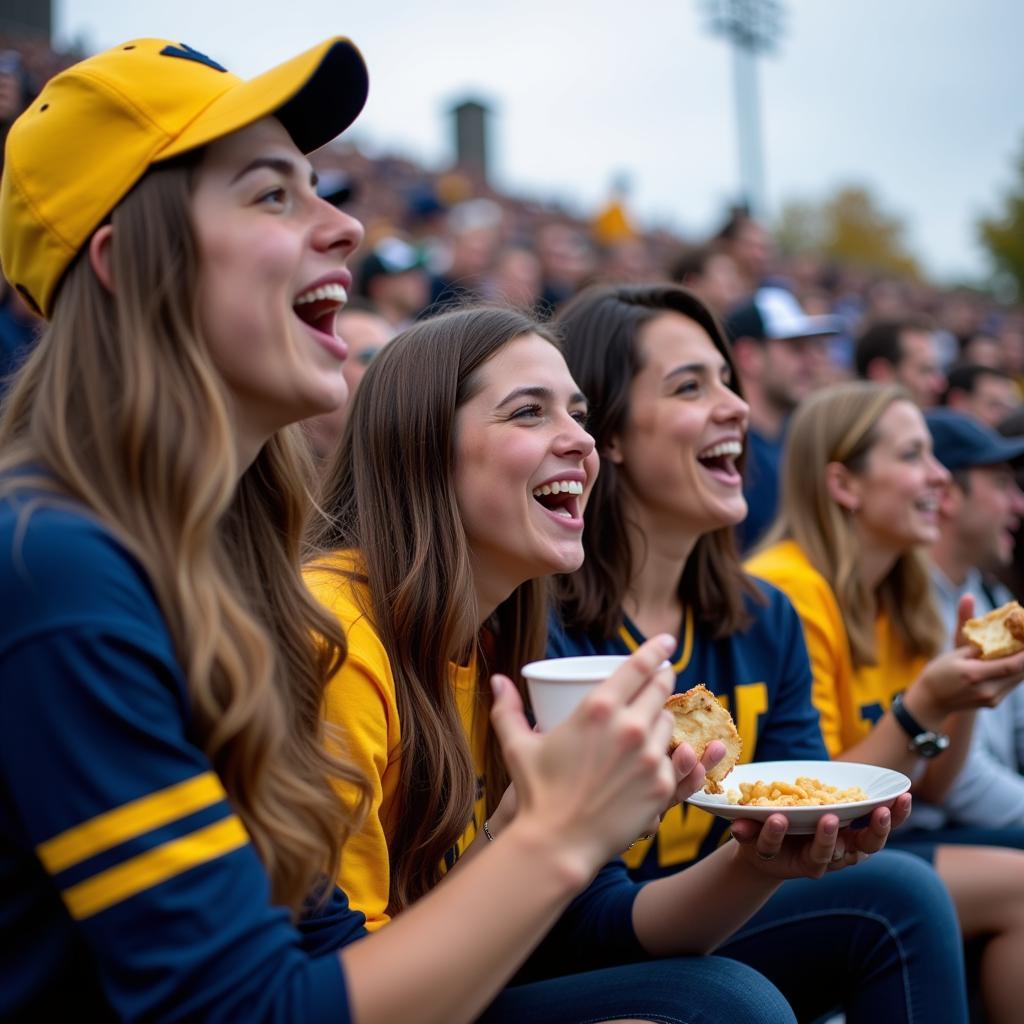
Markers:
768,849
599,779
959,680
690,772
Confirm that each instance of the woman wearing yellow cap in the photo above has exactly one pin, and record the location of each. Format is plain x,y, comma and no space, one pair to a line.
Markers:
167,814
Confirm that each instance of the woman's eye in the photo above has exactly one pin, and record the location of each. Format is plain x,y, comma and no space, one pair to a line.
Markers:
581,416
687,387
272,197
526,412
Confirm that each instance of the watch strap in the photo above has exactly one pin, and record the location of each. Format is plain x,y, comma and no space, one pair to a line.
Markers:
908,723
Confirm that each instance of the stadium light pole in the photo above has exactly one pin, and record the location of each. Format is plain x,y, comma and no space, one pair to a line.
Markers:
753,27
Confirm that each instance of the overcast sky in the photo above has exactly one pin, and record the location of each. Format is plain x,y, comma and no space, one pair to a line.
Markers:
918,99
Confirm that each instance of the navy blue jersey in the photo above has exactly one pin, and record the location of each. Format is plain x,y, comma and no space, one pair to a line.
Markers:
128,886
761,675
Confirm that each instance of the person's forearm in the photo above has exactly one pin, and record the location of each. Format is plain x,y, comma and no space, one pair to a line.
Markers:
444,959
696,910
943,770
886,746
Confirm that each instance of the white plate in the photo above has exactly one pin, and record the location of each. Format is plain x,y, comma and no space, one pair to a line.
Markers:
880,784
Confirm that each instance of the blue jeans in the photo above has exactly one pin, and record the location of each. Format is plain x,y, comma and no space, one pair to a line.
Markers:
880,941
682,990
923,841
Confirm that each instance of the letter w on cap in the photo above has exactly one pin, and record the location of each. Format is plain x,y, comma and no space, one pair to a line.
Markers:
185,51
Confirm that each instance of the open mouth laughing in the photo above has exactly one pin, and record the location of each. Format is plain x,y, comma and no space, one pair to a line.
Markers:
317,307
719,460
561,499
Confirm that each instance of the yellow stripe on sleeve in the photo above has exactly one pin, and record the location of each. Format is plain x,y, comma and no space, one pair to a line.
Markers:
153,867
129,821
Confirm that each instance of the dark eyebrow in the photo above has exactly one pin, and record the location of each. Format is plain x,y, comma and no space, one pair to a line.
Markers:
541,393
282,165
695,368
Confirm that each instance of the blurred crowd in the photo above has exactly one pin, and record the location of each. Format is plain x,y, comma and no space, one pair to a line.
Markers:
434,237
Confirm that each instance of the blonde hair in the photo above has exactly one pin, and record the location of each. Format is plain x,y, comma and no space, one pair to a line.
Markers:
839,424
120,409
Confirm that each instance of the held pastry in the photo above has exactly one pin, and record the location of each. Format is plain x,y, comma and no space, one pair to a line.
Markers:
699,719
998,634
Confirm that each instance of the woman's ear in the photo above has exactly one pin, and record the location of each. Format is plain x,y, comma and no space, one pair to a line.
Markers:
99,255
843,486
612,451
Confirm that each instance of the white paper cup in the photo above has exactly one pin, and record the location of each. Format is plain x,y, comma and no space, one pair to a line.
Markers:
557,685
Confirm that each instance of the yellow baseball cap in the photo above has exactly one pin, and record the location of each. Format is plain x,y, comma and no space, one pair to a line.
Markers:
97,127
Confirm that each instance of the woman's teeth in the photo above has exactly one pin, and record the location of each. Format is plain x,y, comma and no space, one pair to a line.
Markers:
725,448
559,487
334,292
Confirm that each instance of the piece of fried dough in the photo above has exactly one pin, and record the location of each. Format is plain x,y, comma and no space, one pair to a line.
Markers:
998,634
699,719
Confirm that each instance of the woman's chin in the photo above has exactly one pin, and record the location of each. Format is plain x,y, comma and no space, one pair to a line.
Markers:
727,516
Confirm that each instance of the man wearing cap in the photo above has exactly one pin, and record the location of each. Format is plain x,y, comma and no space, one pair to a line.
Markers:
394,280
777,348
977,518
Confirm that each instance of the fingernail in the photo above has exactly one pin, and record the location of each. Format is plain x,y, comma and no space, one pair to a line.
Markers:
831,828
497,685
667,643
884,817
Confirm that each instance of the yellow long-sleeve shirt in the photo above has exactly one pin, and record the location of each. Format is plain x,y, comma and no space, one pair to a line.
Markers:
362,702
849,700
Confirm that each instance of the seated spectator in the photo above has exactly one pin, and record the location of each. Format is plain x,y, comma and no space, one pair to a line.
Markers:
983,349
393,279
516,280
778,351
751,247
567,262
474,234
903,352
711,275
979,514
859,506
669,422
987,394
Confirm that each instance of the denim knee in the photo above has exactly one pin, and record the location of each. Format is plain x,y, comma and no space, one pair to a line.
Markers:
680,990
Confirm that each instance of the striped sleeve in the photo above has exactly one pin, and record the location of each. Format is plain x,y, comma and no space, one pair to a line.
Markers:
128,857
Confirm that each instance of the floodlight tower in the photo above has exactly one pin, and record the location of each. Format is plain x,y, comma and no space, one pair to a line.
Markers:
753,27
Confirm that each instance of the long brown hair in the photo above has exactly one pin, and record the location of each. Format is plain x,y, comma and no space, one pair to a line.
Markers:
600,331
840,425
120,409
391,496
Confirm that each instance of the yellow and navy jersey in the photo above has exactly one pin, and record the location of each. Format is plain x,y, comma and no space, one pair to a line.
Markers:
761,675
850,700
129,888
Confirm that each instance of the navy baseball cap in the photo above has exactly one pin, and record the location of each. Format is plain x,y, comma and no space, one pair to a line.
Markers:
962,442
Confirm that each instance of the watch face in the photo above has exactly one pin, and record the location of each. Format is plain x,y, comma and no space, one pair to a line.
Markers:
930,744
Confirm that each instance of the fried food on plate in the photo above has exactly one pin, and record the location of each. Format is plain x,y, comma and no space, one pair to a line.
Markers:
998,634
805,792
699,719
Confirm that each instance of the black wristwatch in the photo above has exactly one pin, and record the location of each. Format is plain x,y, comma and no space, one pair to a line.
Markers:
923,742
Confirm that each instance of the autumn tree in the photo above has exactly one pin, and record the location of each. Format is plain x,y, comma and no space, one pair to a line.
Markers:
1002,235
849,227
